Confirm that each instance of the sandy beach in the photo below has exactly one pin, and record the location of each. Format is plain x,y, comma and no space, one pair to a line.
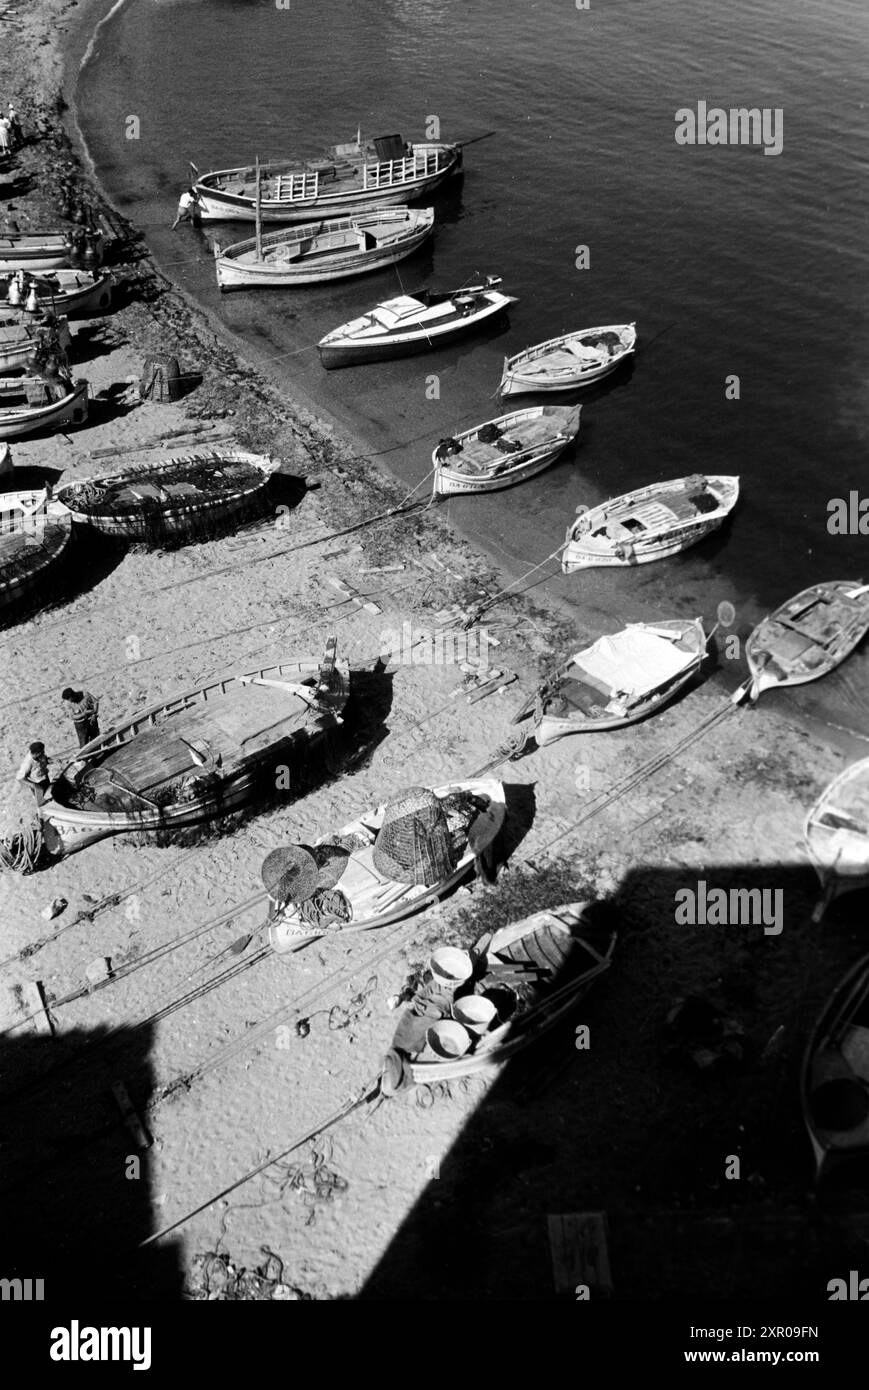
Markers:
380,1205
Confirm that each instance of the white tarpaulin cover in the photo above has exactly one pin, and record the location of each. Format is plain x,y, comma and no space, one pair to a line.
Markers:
634,662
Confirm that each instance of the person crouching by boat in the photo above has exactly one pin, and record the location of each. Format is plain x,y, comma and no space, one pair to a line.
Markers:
188,208
34,771
83,709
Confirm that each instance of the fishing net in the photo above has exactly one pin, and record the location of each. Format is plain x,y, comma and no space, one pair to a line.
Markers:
608,340
22,847
325,908
698,494
489,434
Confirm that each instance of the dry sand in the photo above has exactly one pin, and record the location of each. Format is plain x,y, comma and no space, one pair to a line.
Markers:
617,1128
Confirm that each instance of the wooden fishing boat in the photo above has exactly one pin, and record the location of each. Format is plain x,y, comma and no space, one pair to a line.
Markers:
21,334
318,252
574,359
650,523
808,636
504,451
365,896
363,173
34,251
835,1074
31,405
71,292
35,531
413,323
171,497
528,976
200,754
837,834
618,680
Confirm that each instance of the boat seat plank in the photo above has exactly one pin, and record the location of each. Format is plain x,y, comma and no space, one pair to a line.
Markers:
218,726
578,1245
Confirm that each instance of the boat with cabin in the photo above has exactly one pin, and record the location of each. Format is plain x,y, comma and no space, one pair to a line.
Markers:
362,173
411,323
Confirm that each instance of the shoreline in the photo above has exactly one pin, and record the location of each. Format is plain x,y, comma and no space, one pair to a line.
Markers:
730,806
326,418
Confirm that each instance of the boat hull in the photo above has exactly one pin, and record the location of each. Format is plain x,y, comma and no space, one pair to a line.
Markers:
291,931
765,677
840,852
238,268
68,829
173,522
453,482
550,728
520,376
16,349
32,252
47,524
220,205
353,354
504,1041
835,1075
675,535
16,423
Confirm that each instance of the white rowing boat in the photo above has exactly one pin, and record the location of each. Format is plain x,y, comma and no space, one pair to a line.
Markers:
650,523
808,636
504,451
366,895
837,834
618,680
573,359
319,252
31,405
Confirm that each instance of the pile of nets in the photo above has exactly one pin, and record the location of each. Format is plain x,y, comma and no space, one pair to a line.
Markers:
22,846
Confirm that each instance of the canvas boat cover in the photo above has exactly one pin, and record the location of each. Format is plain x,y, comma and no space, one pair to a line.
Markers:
634,662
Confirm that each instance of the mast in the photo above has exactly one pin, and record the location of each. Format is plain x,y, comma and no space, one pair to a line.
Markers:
259,224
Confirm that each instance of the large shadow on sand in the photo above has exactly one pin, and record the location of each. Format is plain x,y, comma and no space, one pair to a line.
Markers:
73,1208
643,1124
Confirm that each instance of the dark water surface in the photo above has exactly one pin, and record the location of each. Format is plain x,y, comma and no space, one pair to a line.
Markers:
731,261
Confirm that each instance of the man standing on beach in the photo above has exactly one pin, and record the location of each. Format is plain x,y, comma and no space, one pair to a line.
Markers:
34,771
15,132
83,709
188,207
4,135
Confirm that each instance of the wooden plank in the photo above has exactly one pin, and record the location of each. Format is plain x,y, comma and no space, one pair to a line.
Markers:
35,1004
131,1119
580,1254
